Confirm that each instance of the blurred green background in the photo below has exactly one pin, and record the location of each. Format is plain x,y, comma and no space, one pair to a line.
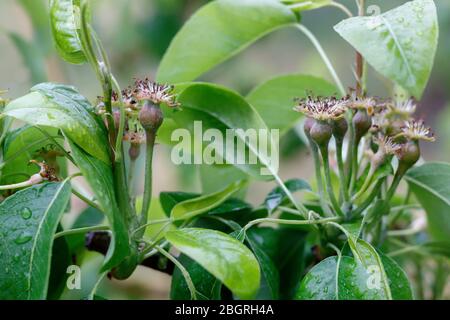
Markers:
136,34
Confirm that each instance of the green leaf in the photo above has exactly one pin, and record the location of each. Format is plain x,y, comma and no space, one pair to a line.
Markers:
100,177
169,200
61,258
430,185
286,248
218,31
277,195
371,276
220,109
357,279
29,143
223,256
270,280
62,107
397,278
65,24
275,98
400,44
320,282
206,285
28,221
88,218
190,208
231,208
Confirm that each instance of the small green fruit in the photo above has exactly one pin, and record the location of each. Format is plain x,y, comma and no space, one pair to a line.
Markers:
321,133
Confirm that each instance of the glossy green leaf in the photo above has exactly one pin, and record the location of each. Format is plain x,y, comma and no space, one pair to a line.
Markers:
29,143
274,99
231,208
65,25
100,177
430,184
286,249
28,222
400,43
277,195
371,276
206,285
398,280
169,200
62,107
270,280
218,31
213,109
320,282
364,277
356,280
61,258
190,208
223,256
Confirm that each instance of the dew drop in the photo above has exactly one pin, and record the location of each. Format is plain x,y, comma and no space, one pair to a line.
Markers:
26,213
22,239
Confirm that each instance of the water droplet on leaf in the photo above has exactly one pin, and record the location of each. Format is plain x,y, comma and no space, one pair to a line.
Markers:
22,239
26,213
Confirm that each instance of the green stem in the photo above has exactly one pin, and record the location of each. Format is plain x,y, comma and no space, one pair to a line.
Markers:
23,184
323,55
405,206
351,142
354,165
160,221
366,184
289,222
7,126
300,207
343,191
397,178
86,200
369,200
150,136
318,173
91,295
183,270
100,69
290,210
328,185
342,7
121,129
131,174
80,230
